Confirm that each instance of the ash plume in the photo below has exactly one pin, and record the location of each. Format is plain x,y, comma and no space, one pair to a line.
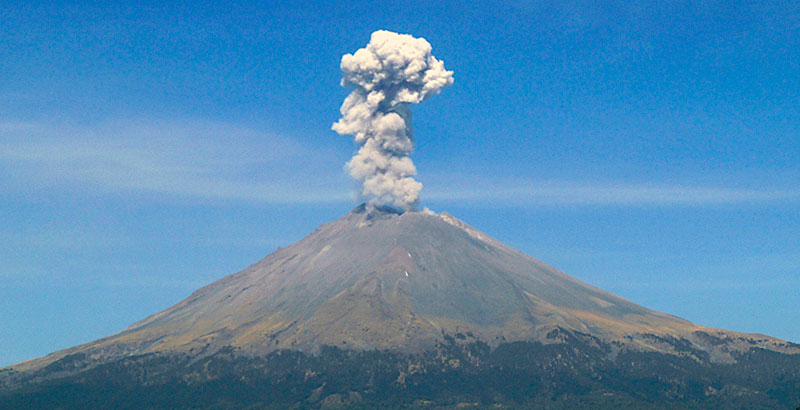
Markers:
392,71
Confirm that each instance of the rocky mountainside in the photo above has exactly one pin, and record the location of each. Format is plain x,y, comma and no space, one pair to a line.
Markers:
406,285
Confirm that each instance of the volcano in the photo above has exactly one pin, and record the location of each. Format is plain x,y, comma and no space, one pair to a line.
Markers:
432,300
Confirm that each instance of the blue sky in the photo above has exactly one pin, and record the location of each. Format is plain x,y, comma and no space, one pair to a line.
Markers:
650,149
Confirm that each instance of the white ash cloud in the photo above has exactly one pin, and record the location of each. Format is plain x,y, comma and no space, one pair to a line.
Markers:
392,71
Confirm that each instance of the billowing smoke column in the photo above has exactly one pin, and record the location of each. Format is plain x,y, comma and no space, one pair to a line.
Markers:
392,71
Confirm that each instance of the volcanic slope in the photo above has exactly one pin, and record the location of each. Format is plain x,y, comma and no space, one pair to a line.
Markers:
380,279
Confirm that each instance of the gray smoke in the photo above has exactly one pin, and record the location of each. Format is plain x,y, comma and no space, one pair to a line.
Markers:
392,71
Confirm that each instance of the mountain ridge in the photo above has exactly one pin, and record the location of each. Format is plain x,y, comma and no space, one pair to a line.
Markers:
379,278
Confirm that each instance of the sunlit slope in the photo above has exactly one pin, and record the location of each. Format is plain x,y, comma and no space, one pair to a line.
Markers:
378,279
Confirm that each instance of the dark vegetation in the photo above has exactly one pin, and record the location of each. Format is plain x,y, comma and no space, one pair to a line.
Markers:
582,372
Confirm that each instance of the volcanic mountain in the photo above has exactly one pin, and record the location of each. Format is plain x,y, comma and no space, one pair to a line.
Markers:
403,284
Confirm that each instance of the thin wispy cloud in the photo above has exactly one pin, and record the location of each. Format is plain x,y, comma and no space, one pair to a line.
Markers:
521,193
705,285
200,160
711,271
193,159
150,281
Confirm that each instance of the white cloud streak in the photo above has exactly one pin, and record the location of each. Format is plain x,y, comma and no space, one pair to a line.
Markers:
191,159
529,193
199,160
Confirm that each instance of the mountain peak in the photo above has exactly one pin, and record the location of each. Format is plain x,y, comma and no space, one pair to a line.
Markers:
381,278
373,209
